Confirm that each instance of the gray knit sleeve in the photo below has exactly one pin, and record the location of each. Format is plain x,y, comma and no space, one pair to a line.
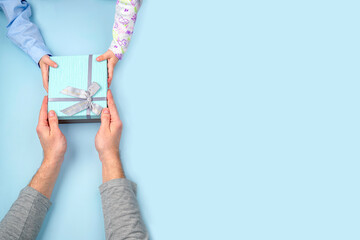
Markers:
121,211
25,217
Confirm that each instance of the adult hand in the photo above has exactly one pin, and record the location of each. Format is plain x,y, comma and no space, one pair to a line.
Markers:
107,141
51,138
112,60
53,143
44,64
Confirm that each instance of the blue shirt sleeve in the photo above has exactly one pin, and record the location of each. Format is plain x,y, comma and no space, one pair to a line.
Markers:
22,31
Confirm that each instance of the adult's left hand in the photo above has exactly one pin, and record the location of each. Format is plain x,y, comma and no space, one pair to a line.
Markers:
51,138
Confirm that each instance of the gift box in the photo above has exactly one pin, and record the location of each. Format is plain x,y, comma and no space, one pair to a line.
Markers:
77,88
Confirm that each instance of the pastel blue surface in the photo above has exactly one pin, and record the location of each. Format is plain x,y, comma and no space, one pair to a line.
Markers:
73,71
241,119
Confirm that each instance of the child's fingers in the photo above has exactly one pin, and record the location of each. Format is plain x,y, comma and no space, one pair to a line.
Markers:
111,72
109,82
46,85
45,77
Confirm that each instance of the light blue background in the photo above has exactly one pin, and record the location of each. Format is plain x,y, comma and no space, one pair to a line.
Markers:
241,118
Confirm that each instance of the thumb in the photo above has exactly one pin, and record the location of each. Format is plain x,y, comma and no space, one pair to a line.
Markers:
53,121
50,62
105,119
103,57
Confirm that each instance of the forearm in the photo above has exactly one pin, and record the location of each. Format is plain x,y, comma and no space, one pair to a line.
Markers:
111,166
125,18
25,217
121,211
22,31
45,178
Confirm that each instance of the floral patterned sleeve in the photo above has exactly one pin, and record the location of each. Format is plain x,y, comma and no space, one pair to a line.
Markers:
125,18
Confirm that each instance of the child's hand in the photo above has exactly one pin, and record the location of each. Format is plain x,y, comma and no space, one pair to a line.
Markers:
44,64
112,61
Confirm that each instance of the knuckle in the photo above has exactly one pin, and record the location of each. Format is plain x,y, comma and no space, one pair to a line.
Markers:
119,125
56,132
106,116
39,129
53,120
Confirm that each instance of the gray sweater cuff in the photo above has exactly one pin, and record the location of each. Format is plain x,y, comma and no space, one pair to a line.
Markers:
29,191
24,219
119,182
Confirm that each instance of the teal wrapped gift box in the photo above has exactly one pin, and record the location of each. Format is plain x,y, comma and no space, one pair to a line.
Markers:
78,88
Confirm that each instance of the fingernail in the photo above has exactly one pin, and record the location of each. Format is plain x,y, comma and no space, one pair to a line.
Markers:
97,59
51,114
55,65
106,111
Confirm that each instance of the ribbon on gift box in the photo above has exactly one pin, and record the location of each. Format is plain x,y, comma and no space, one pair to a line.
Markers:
85,103
83,96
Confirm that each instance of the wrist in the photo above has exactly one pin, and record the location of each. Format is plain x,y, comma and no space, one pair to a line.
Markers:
49,167
109,156
112,171
53,160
